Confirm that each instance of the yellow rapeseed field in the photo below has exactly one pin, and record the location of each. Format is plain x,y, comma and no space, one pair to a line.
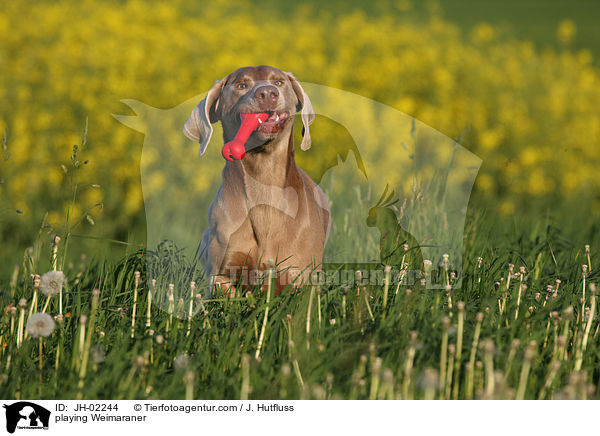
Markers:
530,114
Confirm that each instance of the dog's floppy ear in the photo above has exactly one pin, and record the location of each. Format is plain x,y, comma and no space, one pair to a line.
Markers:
307,113
199,125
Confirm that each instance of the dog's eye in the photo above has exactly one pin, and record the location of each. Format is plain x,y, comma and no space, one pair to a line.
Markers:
241,85
278,82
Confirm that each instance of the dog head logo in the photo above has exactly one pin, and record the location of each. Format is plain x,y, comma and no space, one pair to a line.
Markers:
26,415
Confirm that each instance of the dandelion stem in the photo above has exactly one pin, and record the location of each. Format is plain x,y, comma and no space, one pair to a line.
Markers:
55,253
444,355
368,306
408,368
46,304
449,373
525,371
386,288
88,338
41,354
511,357
308,313
519,298
245,377
188,378
134,310
171,306
554,367
489,367
191,308
375,370
149,303
20,327
319,307
459,345
472,356
266,318
588,327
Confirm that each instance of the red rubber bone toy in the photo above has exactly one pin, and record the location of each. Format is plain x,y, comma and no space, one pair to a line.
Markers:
235,149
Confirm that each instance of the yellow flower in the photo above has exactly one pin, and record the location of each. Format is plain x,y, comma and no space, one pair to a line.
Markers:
566,31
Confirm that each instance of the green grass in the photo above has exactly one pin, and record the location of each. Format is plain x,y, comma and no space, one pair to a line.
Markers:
345,353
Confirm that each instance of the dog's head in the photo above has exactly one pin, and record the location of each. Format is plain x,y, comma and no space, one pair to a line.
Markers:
261,89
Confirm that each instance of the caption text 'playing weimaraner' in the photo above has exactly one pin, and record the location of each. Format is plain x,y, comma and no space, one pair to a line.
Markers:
267,209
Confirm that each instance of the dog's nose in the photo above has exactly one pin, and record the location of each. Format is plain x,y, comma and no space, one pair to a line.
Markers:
267,95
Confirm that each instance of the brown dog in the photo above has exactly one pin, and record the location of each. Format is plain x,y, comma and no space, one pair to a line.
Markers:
267,209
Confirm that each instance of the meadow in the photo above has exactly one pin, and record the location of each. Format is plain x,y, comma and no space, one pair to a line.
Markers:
523,323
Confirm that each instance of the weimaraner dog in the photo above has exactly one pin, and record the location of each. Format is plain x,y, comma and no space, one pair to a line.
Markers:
267,209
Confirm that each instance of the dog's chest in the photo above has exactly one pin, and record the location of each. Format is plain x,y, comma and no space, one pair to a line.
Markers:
266,204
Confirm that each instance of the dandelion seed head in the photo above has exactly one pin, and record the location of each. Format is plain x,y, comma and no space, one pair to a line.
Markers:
429,379
97,355
52,282
182,361
40,324
141,361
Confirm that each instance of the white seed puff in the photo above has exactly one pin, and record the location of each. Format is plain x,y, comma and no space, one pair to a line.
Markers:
40,324
52,282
